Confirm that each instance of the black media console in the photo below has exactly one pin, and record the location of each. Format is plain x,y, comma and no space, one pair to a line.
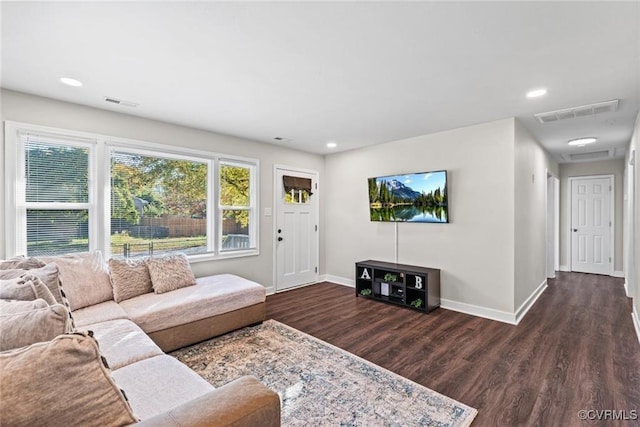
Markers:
404,285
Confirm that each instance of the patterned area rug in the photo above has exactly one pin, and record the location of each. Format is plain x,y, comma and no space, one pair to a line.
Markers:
320,384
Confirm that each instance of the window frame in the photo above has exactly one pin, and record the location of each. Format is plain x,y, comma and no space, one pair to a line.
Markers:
100,149
252,209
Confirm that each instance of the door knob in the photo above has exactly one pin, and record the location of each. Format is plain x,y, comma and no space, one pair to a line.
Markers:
280,239
575,230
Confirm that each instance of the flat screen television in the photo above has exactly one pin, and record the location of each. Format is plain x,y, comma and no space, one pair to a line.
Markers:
413,197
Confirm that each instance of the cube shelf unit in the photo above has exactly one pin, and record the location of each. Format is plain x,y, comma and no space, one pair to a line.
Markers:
404,285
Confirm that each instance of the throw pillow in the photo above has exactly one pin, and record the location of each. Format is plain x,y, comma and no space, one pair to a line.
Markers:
21,262
49,274
28,327
26,287
62,382
129,278
8,306
84,277
169,273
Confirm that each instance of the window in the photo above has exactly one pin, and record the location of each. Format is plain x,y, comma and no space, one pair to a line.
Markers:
297,190
158,204
236,210
146,199
55,195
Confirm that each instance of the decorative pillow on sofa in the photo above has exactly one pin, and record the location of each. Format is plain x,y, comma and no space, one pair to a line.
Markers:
28,327
21,262
17,306
84,277
27,287
169,273
49,274
129,278
61,382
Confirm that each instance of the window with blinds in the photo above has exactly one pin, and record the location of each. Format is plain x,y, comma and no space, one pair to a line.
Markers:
56,195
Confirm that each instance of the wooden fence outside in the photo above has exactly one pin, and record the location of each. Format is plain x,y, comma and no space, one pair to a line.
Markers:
179,226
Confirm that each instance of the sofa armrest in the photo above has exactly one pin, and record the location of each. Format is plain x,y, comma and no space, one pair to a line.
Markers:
242,402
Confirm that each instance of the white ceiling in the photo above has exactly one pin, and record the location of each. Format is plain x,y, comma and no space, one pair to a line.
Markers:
357,73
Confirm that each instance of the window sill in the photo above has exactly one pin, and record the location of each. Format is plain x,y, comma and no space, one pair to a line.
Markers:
194,259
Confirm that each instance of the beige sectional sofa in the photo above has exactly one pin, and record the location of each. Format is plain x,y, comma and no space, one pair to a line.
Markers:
134,334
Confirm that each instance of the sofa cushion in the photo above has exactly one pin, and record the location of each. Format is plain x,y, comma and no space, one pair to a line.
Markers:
210,296
129,278
27,287
159,384
20,262
28,327
122,342
49,274
19,306
169,273
102,312
85,278
61,382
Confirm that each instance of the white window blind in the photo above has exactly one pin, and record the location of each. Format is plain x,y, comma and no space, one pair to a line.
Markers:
56,195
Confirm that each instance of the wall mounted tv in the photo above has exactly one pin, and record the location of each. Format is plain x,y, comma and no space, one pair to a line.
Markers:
414,197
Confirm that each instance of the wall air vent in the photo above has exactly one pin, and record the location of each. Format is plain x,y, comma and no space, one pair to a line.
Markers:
122,102
594,155
582,111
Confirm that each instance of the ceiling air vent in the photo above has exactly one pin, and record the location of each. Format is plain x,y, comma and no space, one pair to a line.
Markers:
594,155
122,102
582,111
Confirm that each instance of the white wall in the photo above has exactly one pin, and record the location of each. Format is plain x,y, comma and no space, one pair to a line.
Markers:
25,108
604,167
531,165
474,251
634,282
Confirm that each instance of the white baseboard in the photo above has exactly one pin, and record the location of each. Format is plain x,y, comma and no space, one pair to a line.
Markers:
476,310
525,306
617,273
338,280
626,289
636,321
564,268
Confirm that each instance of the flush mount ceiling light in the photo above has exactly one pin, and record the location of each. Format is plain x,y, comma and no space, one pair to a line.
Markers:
583,141
536,93
71,82
331,145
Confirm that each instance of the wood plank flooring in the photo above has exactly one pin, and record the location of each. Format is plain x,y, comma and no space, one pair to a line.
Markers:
575,350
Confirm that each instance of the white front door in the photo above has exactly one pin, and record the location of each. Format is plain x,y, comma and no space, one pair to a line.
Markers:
296,229
590,225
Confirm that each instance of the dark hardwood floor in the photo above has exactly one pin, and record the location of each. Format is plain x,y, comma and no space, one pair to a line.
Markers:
575,350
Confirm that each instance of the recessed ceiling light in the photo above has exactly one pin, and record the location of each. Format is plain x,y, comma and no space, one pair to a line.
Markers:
582,141
536,93
332,144
71,82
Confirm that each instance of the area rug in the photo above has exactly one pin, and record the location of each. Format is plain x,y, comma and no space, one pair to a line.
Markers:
320,384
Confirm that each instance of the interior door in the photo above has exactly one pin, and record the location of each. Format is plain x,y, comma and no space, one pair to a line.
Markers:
296,228
590,225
